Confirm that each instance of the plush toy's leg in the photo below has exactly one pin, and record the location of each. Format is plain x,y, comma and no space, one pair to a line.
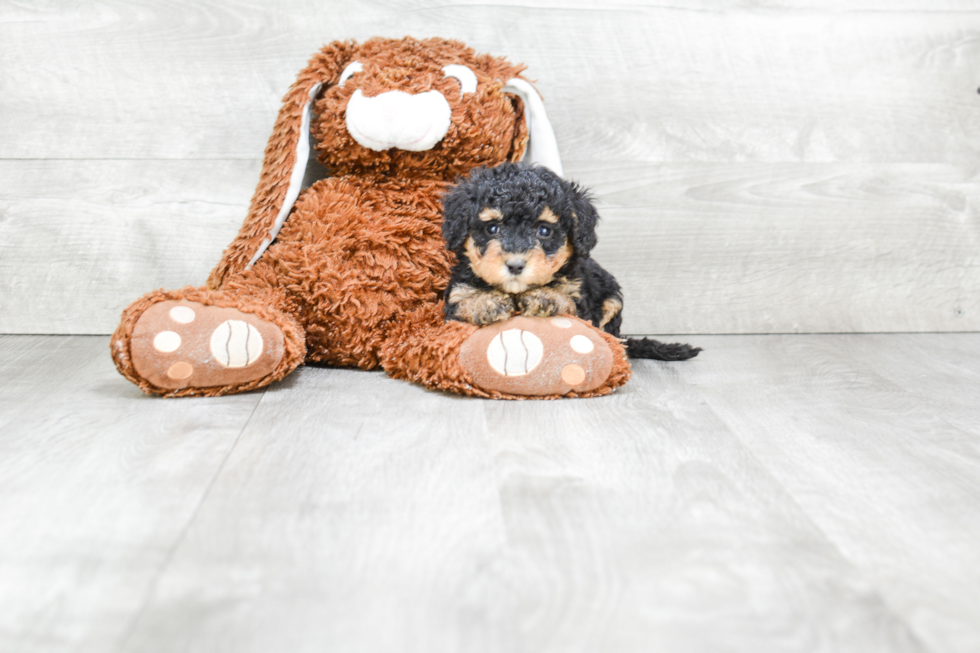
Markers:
520,358
201,342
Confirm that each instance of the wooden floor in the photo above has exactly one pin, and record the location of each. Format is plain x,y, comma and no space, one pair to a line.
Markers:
779,493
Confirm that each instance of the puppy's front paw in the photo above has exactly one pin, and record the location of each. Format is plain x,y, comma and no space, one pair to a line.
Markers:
483,308
545,302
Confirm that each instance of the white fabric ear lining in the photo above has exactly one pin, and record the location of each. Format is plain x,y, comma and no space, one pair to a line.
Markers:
463,75
352,67
542,147
295,178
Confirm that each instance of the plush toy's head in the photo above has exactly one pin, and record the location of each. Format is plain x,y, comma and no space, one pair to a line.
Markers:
407,108
410,108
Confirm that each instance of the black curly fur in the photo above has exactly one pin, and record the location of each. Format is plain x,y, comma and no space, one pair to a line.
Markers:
661,351
521,192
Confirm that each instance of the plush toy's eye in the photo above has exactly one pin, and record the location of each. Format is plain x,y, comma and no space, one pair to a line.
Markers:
493,229
544,232
462,74
352,67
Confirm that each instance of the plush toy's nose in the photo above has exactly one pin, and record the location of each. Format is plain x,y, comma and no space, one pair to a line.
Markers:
398,119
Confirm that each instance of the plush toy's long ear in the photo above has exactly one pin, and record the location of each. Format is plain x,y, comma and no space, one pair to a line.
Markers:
542,148
285,161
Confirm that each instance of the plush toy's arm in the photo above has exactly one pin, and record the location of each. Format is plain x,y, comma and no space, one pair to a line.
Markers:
280,158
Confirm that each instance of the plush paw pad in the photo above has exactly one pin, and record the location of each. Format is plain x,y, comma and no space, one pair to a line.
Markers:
537,356
182,344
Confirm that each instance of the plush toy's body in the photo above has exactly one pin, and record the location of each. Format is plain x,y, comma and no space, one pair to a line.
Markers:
355,276
379,260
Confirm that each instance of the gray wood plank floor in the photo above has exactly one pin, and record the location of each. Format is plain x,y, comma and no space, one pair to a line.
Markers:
779,493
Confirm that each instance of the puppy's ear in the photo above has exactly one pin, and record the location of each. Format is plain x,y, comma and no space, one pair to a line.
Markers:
585,220
458,208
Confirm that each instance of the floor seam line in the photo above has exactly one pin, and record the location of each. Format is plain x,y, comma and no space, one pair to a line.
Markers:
179,540
892,610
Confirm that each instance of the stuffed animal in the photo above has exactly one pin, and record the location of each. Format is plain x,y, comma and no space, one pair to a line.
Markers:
351,270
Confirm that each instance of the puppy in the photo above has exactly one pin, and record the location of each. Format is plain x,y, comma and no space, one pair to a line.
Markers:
522,236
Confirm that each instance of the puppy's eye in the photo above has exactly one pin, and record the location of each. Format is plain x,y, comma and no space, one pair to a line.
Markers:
493,229
544,232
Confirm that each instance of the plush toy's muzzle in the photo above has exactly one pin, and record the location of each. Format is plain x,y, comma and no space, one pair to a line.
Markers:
413,123
406,121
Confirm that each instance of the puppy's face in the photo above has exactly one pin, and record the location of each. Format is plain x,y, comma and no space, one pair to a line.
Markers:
517,250
518,225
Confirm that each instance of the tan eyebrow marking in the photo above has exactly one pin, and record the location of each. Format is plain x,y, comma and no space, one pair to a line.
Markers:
488,214
548,216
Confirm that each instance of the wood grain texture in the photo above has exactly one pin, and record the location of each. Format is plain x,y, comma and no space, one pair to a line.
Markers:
599,525
356,513
778,493
80,240
98,483
770,248
698,247
639,522
876,438
203,79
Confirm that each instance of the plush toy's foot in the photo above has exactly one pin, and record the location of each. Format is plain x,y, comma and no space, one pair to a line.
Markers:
537,357
184,344
201,342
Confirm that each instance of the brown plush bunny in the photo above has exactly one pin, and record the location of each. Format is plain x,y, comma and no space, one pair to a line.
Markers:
355,276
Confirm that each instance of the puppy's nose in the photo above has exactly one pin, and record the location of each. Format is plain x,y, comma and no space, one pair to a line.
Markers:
516,265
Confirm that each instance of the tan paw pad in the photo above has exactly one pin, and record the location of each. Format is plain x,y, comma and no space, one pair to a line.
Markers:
180,371
182,344
573,374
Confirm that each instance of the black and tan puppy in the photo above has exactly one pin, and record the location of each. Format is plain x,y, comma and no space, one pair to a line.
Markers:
522,236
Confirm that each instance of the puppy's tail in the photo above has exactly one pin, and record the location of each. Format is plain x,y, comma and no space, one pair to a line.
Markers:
659,351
